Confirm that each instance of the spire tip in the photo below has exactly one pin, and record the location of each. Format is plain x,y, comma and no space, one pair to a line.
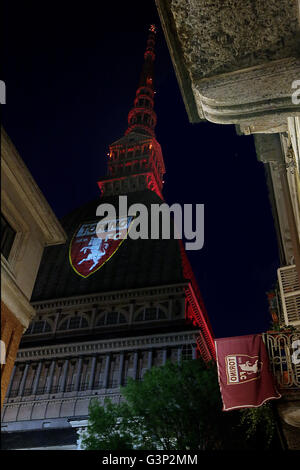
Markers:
153,28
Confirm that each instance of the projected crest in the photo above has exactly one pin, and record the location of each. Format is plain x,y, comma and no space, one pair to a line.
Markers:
88,252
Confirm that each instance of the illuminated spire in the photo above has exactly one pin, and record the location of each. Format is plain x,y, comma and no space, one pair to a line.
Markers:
135,161
141,117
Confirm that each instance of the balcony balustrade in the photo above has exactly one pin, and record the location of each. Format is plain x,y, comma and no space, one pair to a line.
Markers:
284,356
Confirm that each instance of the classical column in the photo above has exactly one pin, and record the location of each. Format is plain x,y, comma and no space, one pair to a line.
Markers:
78,374
149,362
135,363
170,309
93,316
164,356
93,370
65,375
50,375
106,371
121,365
131,307
37,378
23,381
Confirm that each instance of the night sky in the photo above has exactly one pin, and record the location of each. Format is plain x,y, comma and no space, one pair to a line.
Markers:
71,72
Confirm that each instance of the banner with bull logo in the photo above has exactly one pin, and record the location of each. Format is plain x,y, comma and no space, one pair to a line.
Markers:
88,252
243,371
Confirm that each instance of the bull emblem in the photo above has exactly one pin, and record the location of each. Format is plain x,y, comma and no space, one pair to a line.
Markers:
97,248
248,367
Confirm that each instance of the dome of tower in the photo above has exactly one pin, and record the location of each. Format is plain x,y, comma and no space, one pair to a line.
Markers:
135,264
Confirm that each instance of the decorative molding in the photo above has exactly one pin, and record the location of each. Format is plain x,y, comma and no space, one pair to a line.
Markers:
111,297
258,96
234,61
14,298
103,346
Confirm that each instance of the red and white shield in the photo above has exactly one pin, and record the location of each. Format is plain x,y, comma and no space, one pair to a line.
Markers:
88,252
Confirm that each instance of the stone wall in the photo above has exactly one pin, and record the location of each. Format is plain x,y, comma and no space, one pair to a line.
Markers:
11,332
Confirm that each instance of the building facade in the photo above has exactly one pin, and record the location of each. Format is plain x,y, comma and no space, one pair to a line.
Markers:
238,63
27,226
105,312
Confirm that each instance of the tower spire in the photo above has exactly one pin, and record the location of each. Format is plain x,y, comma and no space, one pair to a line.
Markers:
142,118
135,161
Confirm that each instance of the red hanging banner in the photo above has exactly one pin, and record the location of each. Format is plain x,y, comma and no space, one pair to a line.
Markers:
243,371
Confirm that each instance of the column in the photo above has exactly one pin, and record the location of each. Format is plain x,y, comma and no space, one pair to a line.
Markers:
121,365
37,378
170,309
93,316
23,381
106,371
194,352
64,376
92,375
131,306
149,364
78,374
164,356
135,363
50,375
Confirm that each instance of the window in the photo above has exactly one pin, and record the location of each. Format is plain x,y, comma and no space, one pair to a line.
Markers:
7,237
36,327
111,318
187,352
73,323
151,313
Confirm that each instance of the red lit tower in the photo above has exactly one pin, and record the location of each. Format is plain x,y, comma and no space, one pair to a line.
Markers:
135,161
102,319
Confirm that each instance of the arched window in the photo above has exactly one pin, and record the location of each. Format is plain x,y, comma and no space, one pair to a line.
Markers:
151,313
37,327
111,318
74,322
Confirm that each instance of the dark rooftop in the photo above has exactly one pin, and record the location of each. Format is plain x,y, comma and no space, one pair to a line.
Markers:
136,264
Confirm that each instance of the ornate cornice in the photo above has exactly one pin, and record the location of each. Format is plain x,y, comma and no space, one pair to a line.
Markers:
105,346
114,296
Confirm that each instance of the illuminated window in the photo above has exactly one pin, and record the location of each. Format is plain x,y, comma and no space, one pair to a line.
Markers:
151,313
7,237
